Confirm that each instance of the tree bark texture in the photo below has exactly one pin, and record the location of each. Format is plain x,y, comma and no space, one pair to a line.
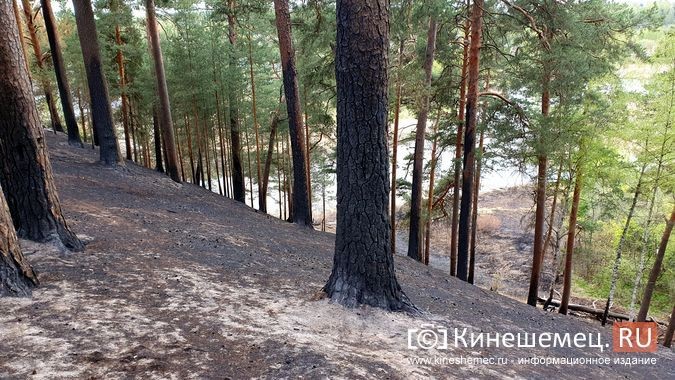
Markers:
571,234
25,170
17,278
238,185
363,267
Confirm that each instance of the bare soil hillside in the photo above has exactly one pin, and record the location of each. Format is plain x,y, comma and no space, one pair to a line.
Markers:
180,283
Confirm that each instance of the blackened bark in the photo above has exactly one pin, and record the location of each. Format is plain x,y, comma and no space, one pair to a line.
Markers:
656,269
474,215
98,88
464,232
458,154
363,267
125,113
60,71
25,170
415,238
17,278
165,121
158,141
571,233
238,185
268,161
302,207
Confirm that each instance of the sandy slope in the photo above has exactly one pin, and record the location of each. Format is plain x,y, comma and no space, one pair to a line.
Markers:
180,283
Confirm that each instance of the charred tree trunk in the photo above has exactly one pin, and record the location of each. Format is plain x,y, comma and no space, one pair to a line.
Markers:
302,207
238,185
17,278
619,248
415,238
166,123
363,267
394,149
256,127
464,232
656,269
158,141
458,154
125,113
268,161
98,88
430,198
571,233
474,214
60,71
25,170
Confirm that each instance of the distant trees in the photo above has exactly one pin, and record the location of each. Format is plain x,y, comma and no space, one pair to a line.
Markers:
25,170
101,110
363,267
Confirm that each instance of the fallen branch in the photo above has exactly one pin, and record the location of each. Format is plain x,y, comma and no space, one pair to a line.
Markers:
590,310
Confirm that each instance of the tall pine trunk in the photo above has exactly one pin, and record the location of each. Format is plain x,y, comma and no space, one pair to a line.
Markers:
256,127
458,154
37,51
394,148
430,194
60,71
165,121
619,248
571,235
98,88
238,185
540,210
474,213
363,267
119,58
302,207
469,141
26,178
656,269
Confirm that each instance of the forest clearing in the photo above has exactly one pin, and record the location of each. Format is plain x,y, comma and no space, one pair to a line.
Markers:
337,189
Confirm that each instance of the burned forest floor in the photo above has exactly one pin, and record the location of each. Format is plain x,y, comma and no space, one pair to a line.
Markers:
177,282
